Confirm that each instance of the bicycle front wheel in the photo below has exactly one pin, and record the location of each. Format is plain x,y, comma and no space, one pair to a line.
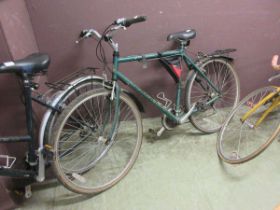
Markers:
212,108
93,150
243,138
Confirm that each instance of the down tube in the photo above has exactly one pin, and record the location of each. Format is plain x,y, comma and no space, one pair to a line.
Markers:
147,96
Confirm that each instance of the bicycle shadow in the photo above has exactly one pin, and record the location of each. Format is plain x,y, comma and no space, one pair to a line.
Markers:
237,172
260,164
60,195
182,130
69,199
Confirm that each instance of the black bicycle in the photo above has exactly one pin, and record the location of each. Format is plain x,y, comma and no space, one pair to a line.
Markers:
59,95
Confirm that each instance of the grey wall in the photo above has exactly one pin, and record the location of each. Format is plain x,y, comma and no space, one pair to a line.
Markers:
251,26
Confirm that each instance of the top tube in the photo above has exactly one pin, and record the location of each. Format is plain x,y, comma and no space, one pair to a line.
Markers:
150,56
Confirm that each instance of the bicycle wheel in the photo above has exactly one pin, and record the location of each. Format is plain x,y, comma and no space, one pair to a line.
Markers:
70,95
240,141
209,113
91,151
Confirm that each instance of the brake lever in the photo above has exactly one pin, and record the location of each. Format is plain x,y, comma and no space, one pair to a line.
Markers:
117,27
274,77
88,33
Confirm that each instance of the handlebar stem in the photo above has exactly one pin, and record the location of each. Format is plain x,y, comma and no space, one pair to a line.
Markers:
114,45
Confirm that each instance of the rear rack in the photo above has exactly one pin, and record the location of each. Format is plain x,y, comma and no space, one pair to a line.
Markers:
216,53
62,84
222,52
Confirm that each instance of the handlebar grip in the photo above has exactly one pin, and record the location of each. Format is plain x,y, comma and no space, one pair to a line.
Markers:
83,33
136,19
274,77
126,22
274,62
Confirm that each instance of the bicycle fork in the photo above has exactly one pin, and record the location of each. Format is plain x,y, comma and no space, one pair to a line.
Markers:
115,98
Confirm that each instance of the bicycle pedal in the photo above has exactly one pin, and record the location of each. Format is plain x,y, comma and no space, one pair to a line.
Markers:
28,191
152,131
7,161
153,134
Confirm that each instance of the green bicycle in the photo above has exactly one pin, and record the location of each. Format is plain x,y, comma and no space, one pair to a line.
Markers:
98,136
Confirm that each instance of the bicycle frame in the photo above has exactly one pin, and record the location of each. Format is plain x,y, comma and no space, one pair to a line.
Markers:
32,157
274,104
117,75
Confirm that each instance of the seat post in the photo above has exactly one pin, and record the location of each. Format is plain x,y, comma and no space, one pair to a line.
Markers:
184,44
27,85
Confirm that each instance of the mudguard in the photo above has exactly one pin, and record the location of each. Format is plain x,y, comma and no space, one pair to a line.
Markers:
136,100
54,102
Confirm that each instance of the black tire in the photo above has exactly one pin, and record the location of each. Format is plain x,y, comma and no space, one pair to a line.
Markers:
239,141
209,118
85,160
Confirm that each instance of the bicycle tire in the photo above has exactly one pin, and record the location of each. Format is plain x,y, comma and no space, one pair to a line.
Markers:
209,119
108,164
255,138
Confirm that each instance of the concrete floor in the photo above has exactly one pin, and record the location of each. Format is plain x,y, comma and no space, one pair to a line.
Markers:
179,171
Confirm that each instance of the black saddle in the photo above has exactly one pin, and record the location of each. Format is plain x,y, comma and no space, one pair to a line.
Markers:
34,63
182,36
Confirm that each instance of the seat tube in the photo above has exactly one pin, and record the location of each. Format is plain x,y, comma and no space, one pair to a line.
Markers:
29,118
178,96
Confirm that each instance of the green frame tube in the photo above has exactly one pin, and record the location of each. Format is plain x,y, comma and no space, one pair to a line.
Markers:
150,56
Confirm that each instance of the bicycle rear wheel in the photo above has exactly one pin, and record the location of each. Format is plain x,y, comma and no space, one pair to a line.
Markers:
240,141
93,151
70,95
210,113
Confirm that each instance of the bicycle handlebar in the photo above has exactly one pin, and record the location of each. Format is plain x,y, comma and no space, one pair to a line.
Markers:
126,22
274,77
121,23
275,66
274,62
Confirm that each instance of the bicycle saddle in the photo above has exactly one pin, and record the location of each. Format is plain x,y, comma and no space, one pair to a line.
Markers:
182,36
34,63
